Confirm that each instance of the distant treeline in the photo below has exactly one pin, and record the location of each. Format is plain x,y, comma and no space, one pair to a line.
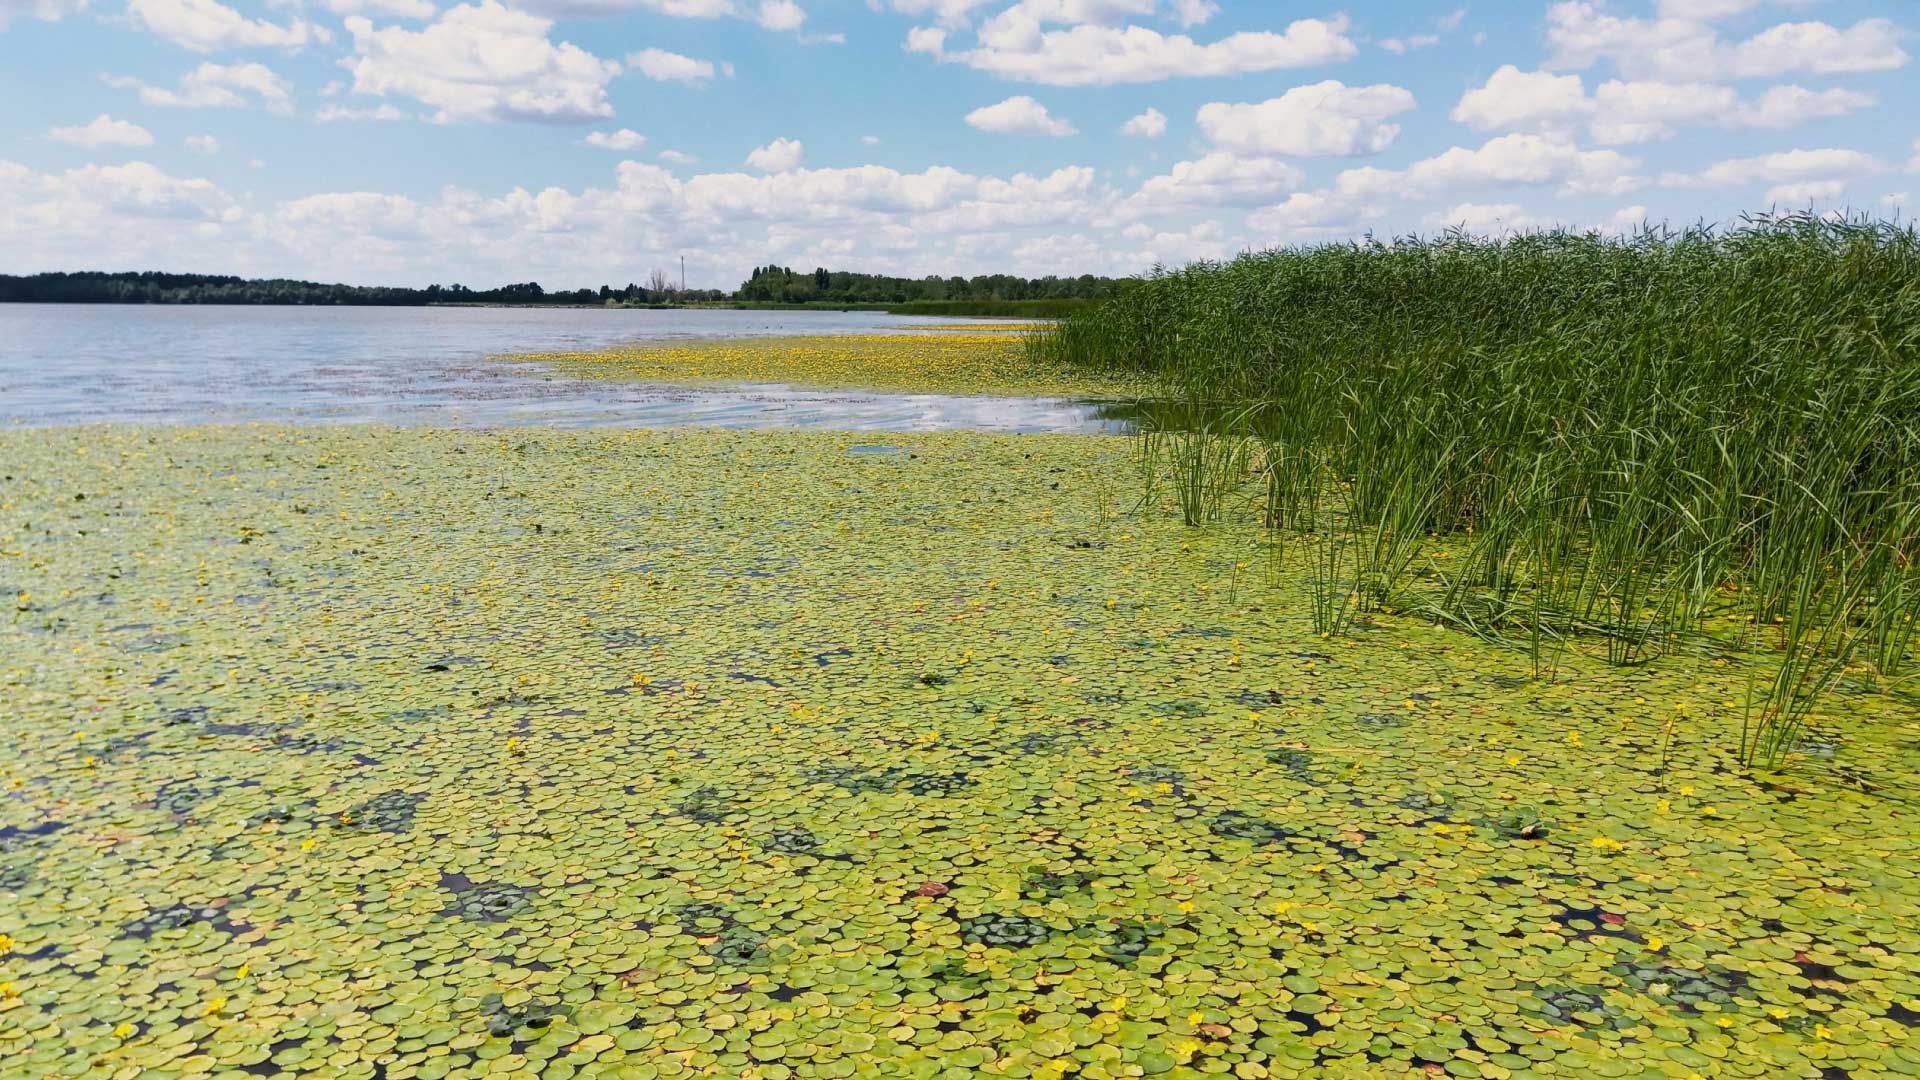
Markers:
769,285
151,287
778,284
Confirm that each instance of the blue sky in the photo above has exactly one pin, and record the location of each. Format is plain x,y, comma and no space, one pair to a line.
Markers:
589,141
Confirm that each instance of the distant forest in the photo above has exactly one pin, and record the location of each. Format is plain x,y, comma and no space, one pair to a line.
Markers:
767,285
777,284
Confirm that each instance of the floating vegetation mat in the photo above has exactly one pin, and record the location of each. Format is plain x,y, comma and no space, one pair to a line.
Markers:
935,361
361,752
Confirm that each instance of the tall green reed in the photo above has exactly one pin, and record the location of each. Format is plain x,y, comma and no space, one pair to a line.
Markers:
1628,438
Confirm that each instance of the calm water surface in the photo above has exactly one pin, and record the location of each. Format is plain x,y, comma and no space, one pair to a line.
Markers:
109,363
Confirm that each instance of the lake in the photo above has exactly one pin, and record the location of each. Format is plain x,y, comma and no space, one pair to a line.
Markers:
64,364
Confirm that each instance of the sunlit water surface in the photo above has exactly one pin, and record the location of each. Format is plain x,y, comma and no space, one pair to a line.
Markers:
63,364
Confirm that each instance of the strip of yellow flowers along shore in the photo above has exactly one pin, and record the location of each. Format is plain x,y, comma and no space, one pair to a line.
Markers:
975,362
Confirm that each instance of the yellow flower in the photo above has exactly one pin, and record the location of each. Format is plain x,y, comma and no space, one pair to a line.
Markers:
1721,1021
1195,1018
216,1005
122,1030
1663,806
1607,843
1686,789
1185,905
1573,738
307,844
1163,788
1822,1031
6,944
8,991
1656,942
1513,759
243,971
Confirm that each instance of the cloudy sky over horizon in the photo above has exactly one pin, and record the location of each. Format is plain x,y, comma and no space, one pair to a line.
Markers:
578,142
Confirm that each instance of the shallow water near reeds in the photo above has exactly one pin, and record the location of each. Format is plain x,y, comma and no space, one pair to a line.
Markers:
81,364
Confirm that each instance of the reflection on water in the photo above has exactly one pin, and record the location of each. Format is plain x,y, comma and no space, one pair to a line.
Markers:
80,364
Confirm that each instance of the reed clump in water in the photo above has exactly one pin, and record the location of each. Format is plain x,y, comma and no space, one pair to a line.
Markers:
1623,437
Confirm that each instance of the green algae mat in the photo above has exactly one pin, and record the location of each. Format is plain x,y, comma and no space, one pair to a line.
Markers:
369,753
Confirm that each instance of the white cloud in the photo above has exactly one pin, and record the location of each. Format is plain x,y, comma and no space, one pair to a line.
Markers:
663,66
1486,219
1309,215
1631,112
1148,125
870,140
945,12
675,157
49,10
202,144
1581,33
771,14
482,62
780,155
1214,180
623,139
103,130
1019,115
1190,13
1321,120
780,15
329,114
1016,44
207,25
211,85
1521,160
399,9
1401,46
1794,176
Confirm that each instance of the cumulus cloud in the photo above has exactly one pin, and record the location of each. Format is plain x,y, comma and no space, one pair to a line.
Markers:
663,66
779,155
675,157
1581,33
1325,119
1486,219
1019,115
771,14
482,61
103,130
1307,216
1018,43
49,10
202,144
623,139
1212,181
399,9
1148,125
1793,176
207,26
1638,111
330,114
780,15
220,86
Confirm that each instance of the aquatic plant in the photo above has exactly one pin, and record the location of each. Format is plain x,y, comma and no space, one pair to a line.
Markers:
1637,439
656,790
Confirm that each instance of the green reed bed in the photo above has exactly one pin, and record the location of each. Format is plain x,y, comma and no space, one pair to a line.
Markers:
1646,441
